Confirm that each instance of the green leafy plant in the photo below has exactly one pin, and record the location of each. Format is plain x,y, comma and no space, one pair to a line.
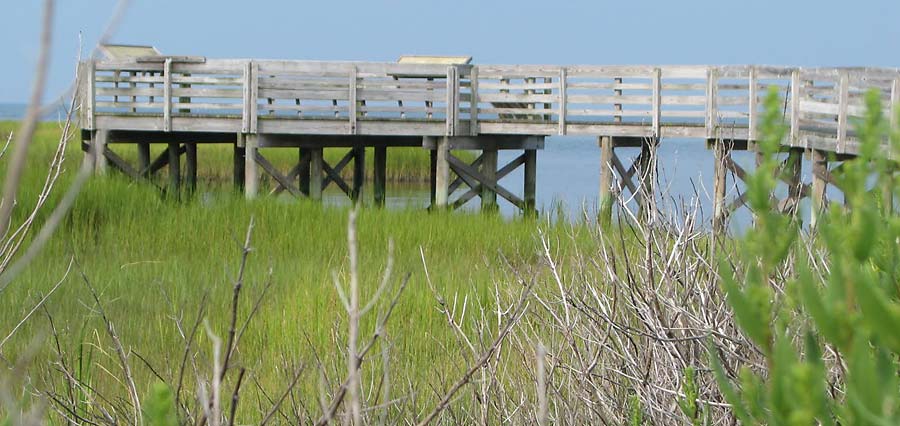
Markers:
829,330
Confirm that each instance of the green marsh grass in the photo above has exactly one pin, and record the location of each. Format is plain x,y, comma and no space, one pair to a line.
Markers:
154,259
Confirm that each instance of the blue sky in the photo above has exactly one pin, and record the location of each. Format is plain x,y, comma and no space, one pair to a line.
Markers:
807,33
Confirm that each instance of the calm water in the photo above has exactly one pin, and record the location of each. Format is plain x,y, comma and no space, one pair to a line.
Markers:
569,174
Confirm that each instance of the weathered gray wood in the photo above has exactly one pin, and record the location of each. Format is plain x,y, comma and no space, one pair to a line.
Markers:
190,169
167,95
174,152
91,96
473,178
282,180
530,181
646,166
379,182
473,102
712,96
657,102
353,101
442,173
795,108
753,119
819,184
606,178
722,153
251,171
316,168
254,97
450,97
99,139
489,170
843,105
563,100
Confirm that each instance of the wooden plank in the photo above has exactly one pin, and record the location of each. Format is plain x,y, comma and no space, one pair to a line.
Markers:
91,96
795,108
196,92
819,184
843,102
617,85
712,118
351,92
657,101
753,100
489,170
202,107
618,113
247,99
473,102
251,171
563,101
455,102
473,178
451,72
167,95
273,171
127,91
615,99
127,105
442,173
341,94
254,97
527,98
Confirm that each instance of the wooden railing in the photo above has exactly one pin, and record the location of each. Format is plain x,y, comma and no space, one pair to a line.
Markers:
263,96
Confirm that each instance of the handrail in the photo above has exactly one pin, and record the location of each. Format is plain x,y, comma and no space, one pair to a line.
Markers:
619,100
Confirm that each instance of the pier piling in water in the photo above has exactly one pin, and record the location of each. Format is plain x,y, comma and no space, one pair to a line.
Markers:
184,101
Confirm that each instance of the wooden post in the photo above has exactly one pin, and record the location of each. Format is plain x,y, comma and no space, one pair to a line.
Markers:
98,147
819,183
303,177
251,169
238,162
607,144
442,173
143,154
359,172
315,173
720,172
190,157
174,167
489,170
530,181
647,169
380,175
794,168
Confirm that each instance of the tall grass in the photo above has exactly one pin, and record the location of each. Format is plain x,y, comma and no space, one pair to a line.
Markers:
154,260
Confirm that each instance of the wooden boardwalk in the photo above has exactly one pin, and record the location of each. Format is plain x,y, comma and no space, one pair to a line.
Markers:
309,105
